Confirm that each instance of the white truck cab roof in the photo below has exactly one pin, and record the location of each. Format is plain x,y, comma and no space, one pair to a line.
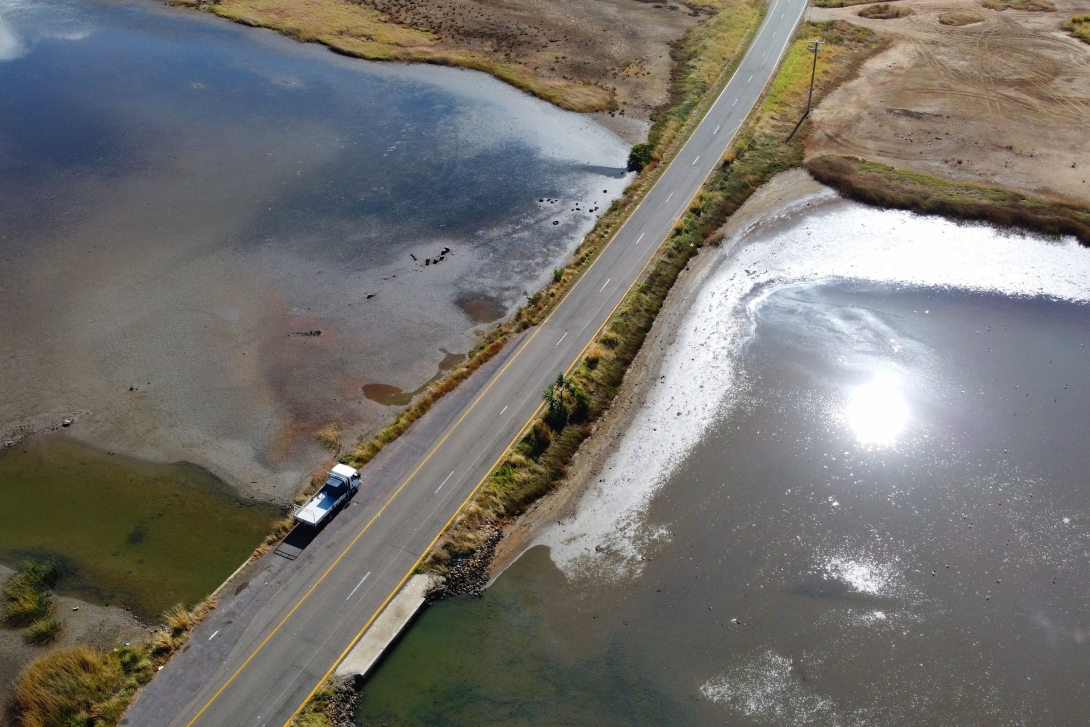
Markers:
344,471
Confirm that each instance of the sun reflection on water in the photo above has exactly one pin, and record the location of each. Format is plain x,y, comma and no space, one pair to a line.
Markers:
876,412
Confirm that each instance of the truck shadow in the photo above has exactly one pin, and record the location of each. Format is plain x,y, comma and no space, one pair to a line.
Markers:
298,539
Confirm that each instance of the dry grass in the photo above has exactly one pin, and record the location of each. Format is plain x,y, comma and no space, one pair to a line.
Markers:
539,461
1032,5
884,11
91,688
329,437
957,18
883,186
1079,27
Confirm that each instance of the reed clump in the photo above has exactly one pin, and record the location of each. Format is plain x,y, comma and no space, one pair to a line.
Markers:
883,186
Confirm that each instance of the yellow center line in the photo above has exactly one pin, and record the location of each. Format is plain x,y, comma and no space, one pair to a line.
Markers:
467,412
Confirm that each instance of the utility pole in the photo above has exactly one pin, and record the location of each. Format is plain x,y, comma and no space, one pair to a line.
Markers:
813,45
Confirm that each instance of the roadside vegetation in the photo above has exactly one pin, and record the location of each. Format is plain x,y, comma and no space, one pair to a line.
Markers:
28,602
883,186
86,687
573,402
1079,27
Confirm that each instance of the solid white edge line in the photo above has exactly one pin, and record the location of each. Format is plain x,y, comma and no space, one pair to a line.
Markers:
359,584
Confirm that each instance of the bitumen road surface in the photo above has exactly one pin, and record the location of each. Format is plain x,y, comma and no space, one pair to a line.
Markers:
256,660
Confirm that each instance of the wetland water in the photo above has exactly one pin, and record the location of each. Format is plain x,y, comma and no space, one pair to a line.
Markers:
852,498
209,231
125,532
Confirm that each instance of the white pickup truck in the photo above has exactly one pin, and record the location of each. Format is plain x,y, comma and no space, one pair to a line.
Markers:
342,483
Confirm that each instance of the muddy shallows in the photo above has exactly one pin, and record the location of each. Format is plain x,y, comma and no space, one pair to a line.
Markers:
887,524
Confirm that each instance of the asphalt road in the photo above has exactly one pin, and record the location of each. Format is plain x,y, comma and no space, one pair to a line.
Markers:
260,656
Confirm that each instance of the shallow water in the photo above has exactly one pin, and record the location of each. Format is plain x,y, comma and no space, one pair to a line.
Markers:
126,533
227,220
884,521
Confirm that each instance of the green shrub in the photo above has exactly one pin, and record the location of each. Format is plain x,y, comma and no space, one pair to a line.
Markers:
640,156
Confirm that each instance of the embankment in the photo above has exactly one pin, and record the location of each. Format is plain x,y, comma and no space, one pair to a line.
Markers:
540,461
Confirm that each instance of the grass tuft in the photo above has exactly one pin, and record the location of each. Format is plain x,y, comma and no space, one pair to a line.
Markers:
1079,27
43,632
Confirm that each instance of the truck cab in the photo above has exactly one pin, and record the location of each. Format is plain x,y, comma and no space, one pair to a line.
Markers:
340,485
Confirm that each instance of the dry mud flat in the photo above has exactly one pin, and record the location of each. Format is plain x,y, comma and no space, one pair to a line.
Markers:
1003,102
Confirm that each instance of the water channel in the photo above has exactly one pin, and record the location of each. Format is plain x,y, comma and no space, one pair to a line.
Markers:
857,495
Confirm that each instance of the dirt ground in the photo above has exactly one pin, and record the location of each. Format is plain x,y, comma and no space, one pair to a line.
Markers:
623,45
1003,102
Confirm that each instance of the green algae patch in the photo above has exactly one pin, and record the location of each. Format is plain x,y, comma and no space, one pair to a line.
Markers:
126,532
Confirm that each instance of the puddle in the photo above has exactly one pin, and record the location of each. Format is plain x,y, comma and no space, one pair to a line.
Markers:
388,395
482,309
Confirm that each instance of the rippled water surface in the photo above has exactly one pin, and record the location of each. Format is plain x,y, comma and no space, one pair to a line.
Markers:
886,521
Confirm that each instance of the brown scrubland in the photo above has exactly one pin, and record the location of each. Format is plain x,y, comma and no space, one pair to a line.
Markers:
972,95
